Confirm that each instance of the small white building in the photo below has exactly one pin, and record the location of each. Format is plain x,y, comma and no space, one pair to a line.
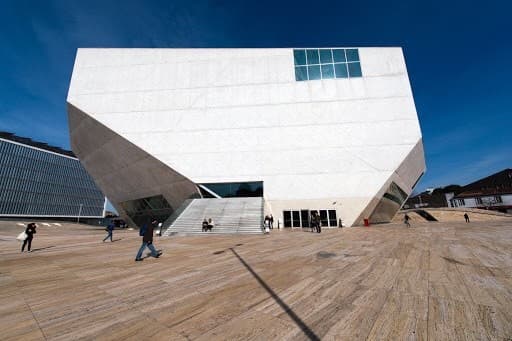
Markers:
327,129
492,193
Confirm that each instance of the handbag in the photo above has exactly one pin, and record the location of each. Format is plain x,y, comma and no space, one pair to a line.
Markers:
22,236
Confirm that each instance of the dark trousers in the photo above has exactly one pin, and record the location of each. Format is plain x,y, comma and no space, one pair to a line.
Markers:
109,235
29,241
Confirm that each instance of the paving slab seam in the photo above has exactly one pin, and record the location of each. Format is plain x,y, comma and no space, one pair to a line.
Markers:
384,303
33,315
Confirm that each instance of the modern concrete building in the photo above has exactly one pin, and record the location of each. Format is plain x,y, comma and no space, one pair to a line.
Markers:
330,129
41,181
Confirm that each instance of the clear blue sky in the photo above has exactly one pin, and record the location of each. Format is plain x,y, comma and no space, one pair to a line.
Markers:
458,54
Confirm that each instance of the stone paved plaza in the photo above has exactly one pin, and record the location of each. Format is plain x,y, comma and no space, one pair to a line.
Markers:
437,281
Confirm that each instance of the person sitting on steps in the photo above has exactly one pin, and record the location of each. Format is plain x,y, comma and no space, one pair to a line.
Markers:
205,225
210,224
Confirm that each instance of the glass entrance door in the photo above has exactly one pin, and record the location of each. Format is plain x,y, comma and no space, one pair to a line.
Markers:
296,218
302,218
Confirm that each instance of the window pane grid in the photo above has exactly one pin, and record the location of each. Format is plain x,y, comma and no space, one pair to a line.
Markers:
316,64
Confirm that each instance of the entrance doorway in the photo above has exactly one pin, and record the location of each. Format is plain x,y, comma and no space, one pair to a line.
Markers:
302,218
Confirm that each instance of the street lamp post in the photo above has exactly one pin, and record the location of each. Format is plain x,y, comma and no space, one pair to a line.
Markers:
79,213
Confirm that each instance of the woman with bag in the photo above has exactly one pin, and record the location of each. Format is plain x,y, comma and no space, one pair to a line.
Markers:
29,231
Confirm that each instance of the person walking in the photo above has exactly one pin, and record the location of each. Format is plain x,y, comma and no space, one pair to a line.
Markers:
30,231
466,217
271,222
146,232
110,230
312,222
406,220
318,224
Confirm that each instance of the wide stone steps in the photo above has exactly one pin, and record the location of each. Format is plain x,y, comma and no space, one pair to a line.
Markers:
230,216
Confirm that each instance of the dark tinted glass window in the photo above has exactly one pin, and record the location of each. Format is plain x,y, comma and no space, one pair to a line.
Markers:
143,210
352,55
312,56
287,217
332,218
304,215
323,218
300,57
236,189
301,73
325,56
354,69
296,218
314,72
341,70
339,55
313,64
327,71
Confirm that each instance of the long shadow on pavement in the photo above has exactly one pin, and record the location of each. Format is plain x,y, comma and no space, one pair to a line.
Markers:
309,333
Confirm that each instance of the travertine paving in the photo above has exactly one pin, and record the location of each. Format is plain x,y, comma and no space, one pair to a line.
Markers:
437,281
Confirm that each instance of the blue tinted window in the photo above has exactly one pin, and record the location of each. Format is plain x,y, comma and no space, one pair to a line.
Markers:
314,72
339,55
311,64
325,56
300,57
341,70
313,56
354,69
352,55
327,71
301,73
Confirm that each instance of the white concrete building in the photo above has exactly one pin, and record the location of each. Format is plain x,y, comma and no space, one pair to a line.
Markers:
493,192
330,129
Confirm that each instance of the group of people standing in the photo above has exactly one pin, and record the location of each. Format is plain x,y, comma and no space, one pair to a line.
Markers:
315,223
268,223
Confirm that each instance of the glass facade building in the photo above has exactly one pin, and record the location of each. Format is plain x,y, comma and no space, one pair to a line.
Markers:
38,180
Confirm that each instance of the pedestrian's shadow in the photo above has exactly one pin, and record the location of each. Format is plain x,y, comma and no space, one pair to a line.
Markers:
149,254
116,240
42,248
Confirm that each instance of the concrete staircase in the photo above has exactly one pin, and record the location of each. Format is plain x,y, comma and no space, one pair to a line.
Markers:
230,215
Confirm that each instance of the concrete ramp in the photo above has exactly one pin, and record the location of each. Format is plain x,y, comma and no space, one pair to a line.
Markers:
230,215
449,214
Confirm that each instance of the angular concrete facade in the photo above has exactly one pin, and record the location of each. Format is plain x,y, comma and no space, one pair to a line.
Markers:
149,122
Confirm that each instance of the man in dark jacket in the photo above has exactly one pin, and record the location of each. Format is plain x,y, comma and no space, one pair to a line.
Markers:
146,232
110,230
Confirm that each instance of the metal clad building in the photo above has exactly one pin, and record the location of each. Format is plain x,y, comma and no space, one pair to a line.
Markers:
37,180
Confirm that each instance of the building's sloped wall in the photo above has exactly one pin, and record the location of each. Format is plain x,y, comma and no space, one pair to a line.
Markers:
234,115
124,171
38,183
